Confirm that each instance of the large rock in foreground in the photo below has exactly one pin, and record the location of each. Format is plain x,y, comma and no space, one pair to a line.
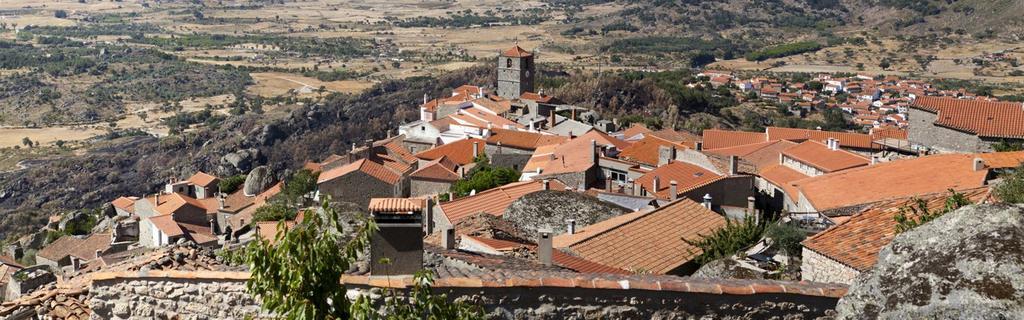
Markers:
967,264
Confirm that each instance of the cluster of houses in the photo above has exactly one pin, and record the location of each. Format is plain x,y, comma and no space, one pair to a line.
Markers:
673,186
873,103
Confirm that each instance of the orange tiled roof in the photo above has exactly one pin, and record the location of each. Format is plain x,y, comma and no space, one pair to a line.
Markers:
493,201
516,52
714,138
482,118
558,257
371,168
680,137
124,203
846,139
494,103
648,241
647,149
175,201
893,179
1002,160
818,155
888,133
238,220
783,177
635,129
857,242
538,98
167,225
82,248
396,205
460,152
202,179
440,169
760,154
984,118
525,140
687,176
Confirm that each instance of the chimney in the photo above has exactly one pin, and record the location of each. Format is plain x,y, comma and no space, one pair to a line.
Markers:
734,165
608,184
425,100
551,120
429,223
544,246
499,147
979,164
673,188
574,113
707,201
451,196
655,184
490,126
664,155
546,184
220,201
594,153
699,145
213,225
157,199
448,238
476,145
571,229
99,253
874,159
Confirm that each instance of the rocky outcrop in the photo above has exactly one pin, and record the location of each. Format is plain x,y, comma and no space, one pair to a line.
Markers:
258,180
238,161
554,208
967,264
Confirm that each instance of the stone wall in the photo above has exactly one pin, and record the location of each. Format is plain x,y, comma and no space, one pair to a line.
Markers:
923,131
357,187
819,268
159,297
423,187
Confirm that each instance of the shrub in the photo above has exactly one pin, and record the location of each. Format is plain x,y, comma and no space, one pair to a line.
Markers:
727,240
231,184
786,237
784,50
905,218
1011,189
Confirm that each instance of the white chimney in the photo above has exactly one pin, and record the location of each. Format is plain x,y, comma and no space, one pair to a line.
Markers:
874,159
425,100
448,238
545,183
476,145
571,229
707,201
655,184
544,246
979,164
750,206
673,188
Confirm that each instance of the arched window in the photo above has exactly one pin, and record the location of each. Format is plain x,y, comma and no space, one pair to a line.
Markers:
508,63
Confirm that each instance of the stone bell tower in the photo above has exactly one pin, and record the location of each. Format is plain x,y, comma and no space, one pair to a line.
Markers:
515,72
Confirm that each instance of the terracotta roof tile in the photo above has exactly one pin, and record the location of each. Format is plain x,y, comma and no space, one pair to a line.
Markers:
493,201
783,177
371,168
761,154
83,248
1002,160
846,139
714,139
396,205
893,179
687,176
558,257
440,169
634,130
647,149
818,155
650,241
540,98
525,140
167,225
516,52
460,152
124,203
857,242
203,179
888,133
984,118
681,137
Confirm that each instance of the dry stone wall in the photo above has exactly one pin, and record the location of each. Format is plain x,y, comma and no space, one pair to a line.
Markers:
177,298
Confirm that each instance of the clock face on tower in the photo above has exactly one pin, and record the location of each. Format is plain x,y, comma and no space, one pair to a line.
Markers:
527,73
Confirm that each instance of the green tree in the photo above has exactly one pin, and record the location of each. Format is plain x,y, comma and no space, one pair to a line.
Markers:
905,218
60,14
26,141
1011,189
727,240
701,59
231,184
484,176
299,184
299,276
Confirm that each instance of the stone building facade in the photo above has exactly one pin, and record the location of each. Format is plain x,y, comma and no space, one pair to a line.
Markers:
515,73
819,268
221,296
923,132
358,187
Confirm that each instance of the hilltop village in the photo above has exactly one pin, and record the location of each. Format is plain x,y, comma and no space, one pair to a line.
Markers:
504,186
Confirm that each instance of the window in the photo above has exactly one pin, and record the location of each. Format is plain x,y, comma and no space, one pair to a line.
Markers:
508,63
617,176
